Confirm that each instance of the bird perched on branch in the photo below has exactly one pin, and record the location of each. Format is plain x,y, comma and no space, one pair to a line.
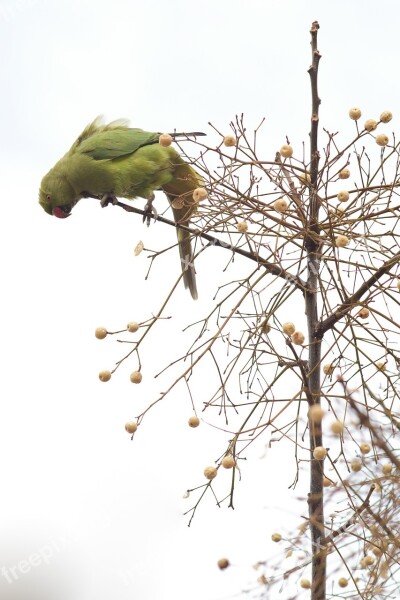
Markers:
110,160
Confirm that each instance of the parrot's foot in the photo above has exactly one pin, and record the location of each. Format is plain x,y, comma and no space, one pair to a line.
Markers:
107,199
149,210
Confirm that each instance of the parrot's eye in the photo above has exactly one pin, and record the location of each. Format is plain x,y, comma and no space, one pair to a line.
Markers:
48,198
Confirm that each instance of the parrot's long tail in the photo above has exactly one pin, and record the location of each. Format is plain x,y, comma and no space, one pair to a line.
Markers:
180,194
186,256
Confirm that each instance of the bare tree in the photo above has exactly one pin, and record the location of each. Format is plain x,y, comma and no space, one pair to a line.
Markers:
320,231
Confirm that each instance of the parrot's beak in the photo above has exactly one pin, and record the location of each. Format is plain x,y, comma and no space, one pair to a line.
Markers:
62,212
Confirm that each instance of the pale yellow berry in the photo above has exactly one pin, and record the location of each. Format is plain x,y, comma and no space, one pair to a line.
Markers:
131,427
289,553
341,241
344,174
343,196
178,202
229,141
223,563
363,313
194,421
319,453
365,448
199,194
132,326
262,580
369,560
100,333
386,116
326,482
286,151
304,177
281,205
398,284
210,472
104,375
387,469
136,377
370,125
228,462
138,248
165,139
381,366
315,413
337,427
305,584
276,537
298,338
356,465
382,139
328,368
242,227
354,113
343,582
288,328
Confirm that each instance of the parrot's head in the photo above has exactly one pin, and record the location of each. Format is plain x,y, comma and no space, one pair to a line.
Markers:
56,196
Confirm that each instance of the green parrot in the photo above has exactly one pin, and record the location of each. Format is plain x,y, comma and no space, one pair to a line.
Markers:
110,160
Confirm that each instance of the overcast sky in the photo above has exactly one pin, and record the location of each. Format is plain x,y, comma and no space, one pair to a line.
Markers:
105,511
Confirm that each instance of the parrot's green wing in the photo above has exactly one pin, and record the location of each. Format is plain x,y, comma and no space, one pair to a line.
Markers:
115,142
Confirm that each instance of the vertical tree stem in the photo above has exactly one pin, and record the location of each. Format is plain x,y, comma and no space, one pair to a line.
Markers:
315,498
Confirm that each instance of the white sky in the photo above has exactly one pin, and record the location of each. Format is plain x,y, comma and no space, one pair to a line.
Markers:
71,479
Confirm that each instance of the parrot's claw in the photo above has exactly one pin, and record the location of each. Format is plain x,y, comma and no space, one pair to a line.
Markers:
107,199
149,211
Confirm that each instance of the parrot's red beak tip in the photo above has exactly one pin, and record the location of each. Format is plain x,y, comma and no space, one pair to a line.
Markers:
60,213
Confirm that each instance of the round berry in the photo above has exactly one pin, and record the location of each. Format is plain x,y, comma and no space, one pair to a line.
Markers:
194,421
105,375
387,469
276,537
100,333
386,116
242,227
365,448
356,465
363,313
281,205
381,366
344,174
132,326
355,113
343,196
341,241
229,141
223,563
288,328
131,427
165,139
382,139
328,368
228,462
315,413
286,151
337,427
370,125
199,194
136,377
210,472
343,582
298,338
319,453
305,584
